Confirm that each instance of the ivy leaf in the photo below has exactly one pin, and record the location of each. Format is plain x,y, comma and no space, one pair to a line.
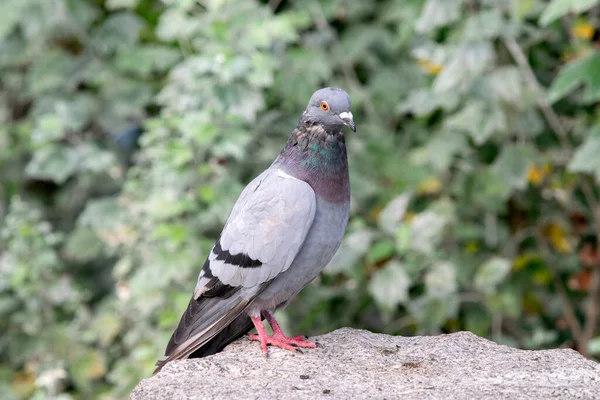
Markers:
118,31
470,60
594,345
116,4
513,164
54,163
558,8
83,245
355,245
438,13
87,367
426,231
389,286
487,24
480,120
380,251
584,71
392,214
507,84
491,273
586,158
440,280
440,150
146,59
10,14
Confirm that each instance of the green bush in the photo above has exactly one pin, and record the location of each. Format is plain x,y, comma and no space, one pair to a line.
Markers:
474,170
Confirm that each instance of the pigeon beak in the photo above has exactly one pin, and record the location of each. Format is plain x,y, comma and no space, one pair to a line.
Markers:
348,120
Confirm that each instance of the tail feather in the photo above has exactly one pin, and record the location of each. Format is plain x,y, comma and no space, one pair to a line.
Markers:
202,321
238,328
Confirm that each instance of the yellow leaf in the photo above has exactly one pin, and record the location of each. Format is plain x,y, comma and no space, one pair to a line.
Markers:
537,173
408,217
430,67
558,238
472,247
23,383
523,260
583,30
431,185
542,277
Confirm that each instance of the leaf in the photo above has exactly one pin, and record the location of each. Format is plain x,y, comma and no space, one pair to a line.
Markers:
146,59
426,231
55,74
584,71
558,237
513,163
116,4
490,190
74,114
83,245
558,8
438,13
389,286
101,215
10,14
440,150
487,24
380,251
354,246
392,214
432,312
424,101
118,31
88,366
107,327
430,186
594,346
440,279
491,273
480,120
54,163
586,158
507,84
49,128
477,321
523,8
470,60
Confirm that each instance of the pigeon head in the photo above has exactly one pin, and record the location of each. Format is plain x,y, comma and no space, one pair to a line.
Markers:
330,108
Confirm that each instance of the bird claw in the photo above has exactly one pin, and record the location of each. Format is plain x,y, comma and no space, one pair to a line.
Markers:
286,343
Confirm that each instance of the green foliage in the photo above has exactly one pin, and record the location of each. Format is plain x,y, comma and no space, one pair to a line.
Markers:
474,201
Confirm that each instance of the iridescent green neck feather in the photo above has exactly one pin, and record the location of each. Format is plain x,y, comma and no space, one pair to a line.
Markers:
317,156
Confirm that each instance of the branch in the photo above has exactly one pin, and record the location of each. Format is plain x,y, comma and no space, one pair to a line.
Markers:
591,309
568,310
551,118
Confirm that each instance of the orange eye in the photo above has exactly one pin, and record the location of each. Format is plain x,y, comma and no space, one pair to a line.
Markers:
324,106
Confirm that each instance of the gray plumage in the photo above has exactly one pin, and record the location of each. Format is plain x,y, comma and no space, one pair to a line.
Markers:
283,230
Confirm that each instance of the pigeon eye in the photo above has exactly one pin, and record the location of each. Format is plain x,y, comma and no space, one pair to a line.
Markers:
324,106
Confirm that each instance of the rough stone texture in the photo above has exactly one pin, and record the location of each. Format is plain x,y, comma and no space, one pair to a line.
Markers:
363,365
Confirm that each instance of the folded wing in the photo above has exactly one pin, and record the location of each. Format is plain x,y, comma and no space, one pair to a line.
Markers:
260,240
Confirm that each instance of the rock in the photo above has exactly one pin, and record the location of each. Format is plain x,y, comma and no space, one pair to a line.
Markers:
363,365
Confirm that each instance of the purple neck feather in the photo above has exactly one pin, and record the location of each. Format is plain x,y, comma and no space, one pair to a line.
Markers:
318,157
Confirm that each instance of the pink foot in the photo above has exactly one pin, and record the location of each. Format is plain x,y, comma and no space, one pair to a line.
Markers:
278,338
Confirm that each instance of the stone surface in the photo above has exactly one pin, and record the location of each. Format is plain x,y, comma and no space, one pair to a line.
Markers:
363,365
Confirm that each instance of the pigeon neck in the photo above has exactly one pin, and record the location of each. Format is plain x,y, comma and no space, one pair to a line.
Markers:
318,157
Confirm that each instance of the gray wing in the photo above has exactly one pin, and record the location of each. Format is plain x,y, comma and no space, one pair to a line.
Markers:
265,230
261,238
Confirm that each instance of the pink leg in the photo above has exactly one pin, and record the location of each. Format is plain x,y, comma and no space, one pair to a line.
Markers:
278,338
299,341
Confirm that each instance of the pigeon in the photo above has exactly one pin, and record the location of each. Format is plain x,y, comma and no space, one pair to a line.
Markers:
283,230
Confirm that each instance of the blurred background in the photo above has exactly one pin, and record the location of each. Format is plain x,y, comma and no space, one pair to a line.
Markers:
128,128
